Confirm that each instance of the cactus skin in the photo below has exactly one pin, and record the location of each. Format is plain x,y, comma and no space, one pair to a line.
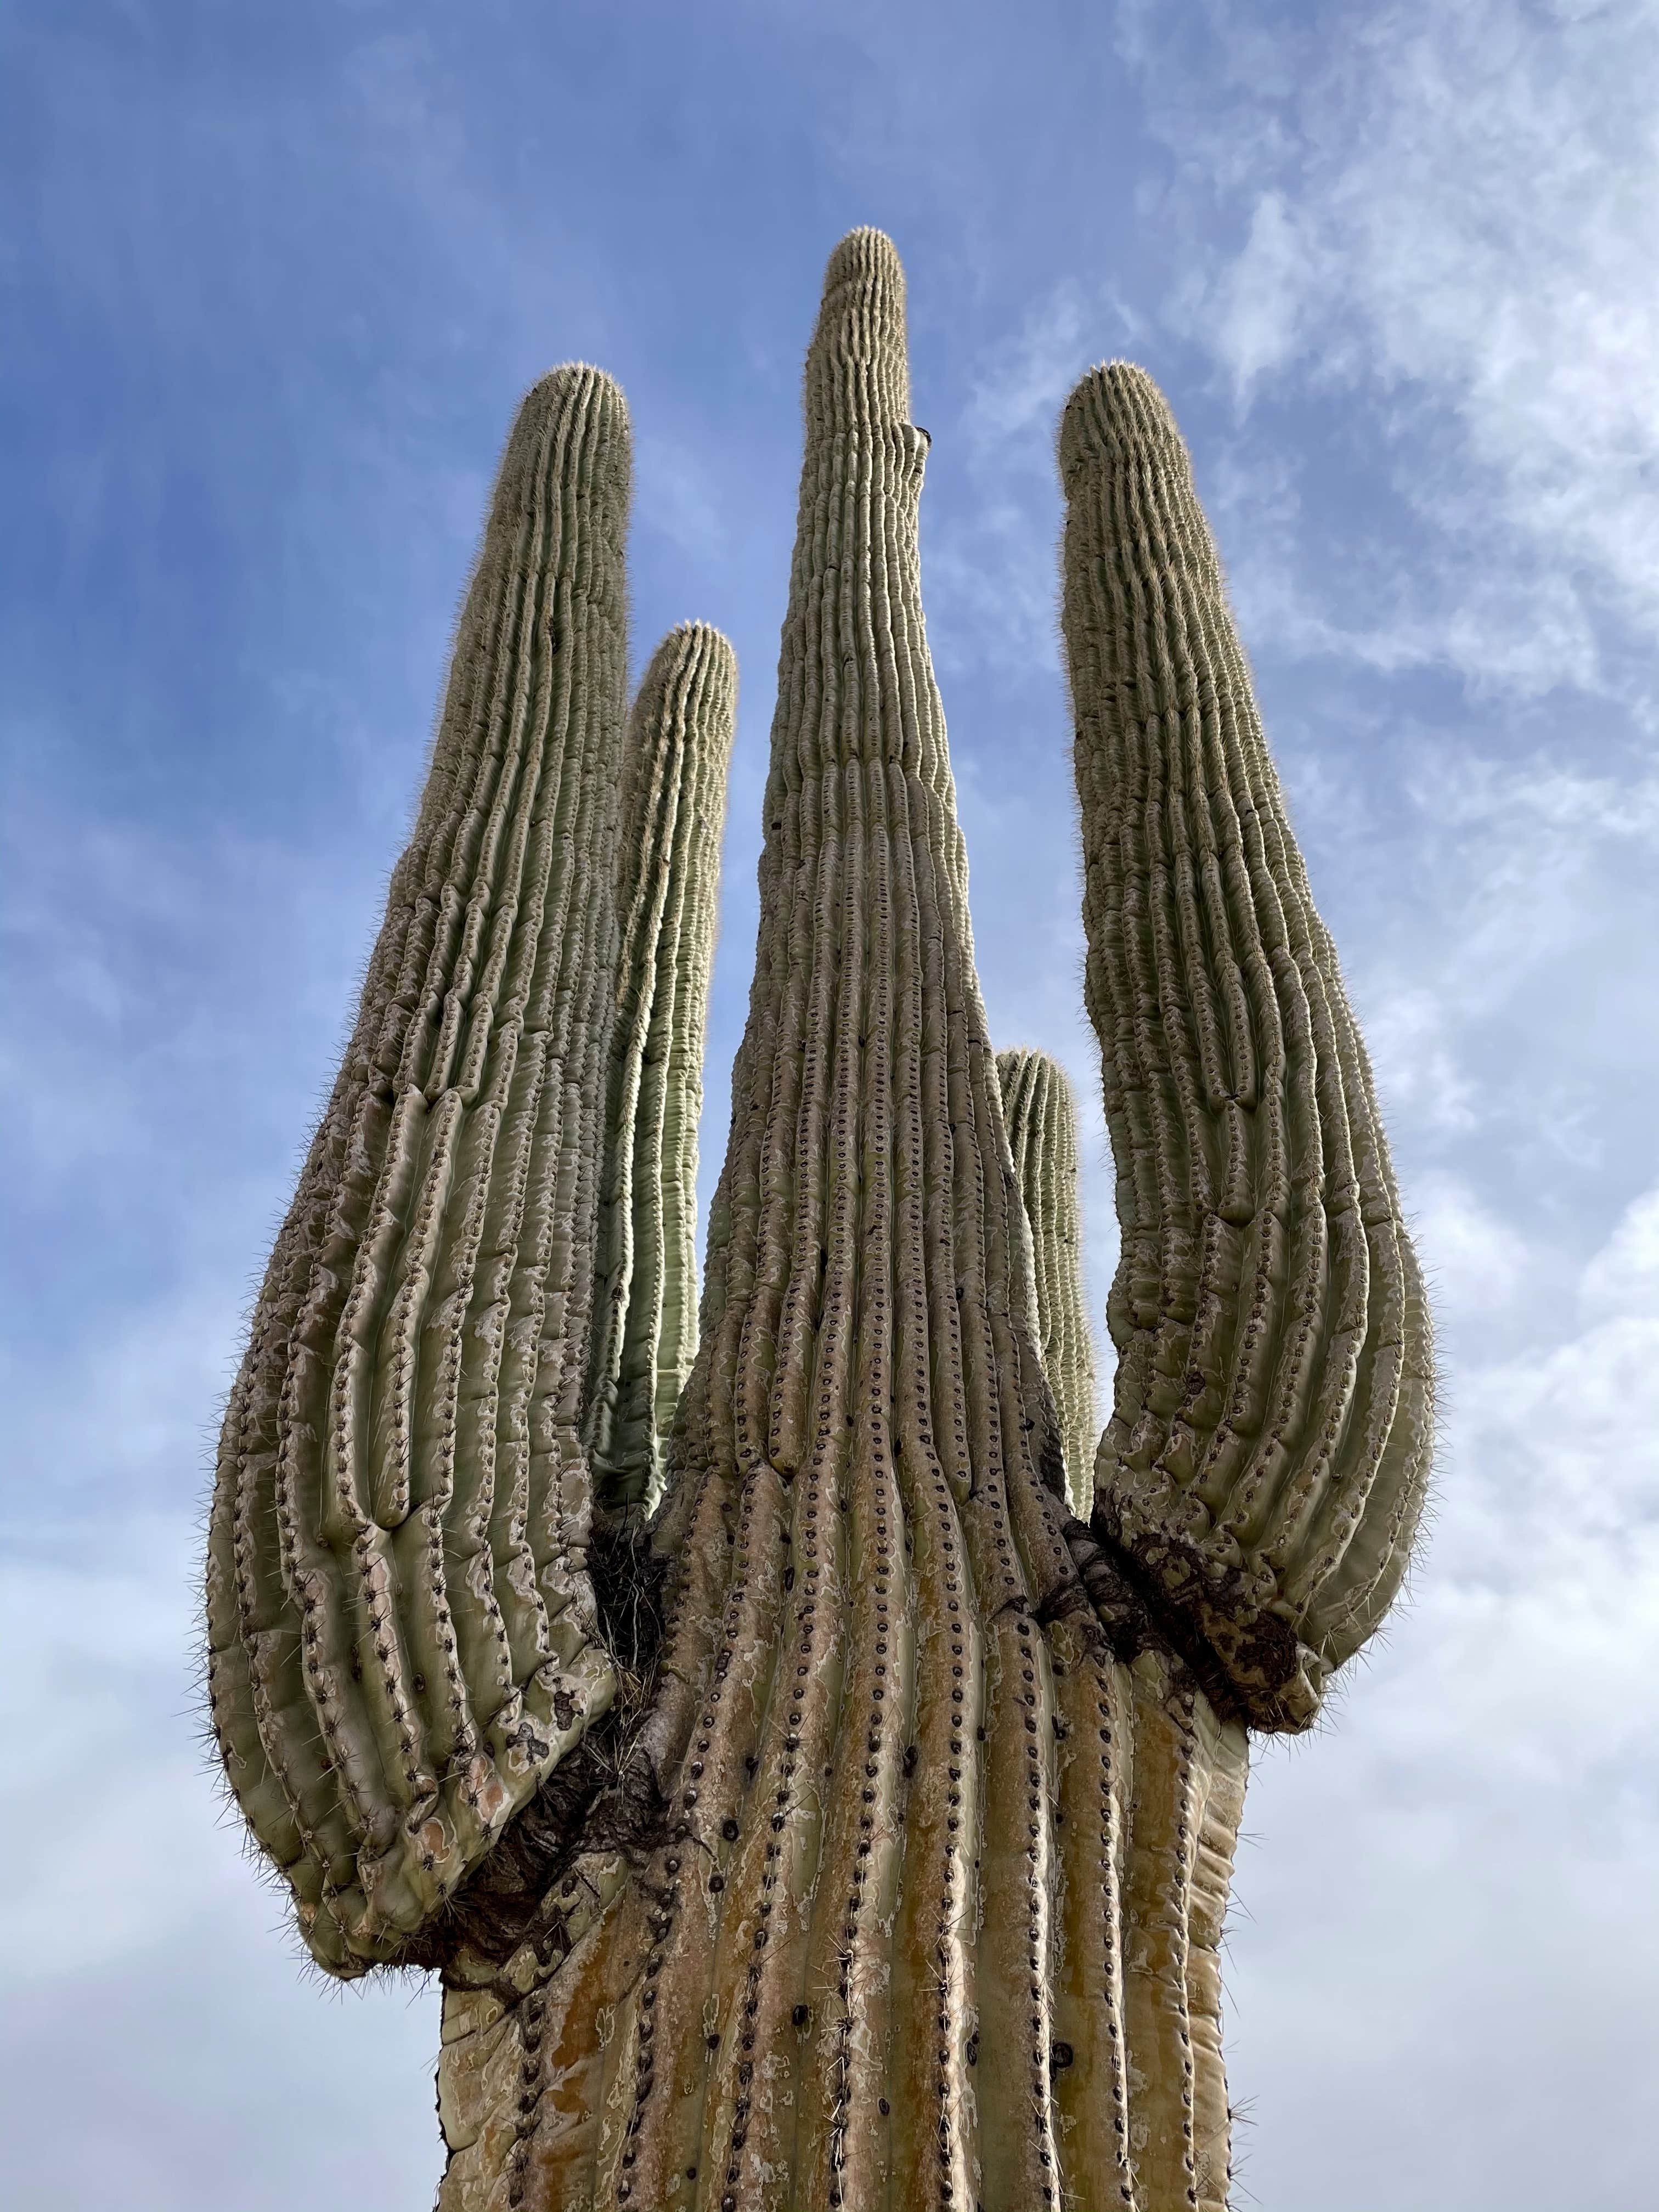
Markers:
1041,1117
933,1913
673,818
1266,1461
402,1633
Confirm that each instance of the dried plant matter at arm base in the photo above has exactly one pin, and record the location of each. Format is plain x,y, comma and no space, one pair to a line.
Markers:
673,817
1264,1463
401,1626
1041,1118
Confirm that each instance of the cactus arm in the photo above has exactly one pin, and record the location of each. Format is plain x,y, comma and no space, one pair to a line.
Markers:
1041,1117
401,1629
645,1322
1264,1464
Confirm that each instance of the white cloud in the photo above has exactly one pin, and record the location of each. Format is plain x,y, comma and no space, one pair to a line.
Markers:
1474,1258
1447,1930
144,1962
1454,208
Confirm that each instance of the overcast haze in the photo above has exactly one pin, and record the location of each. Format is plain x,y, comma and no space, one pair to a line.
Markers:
273,280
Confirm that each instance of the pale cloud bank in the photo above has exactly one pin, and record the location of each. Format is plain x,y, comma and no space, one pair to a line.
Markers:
1451,208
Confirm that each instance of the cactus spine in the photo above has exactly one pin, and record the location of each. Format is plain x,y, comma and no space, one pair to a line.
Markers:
1041,1117
1264,1464
891,1871
673,817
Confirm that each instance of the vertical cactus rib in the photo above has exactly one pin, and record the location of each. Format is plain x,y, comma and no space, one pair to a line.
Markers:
673,817
1041,1117
401,1628
1266,1461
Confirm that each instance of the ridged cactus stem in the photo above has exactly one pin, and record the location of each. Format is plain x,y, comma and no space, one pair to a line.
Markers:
401,1626
1264,1464
1041,1117
673,818
929,1917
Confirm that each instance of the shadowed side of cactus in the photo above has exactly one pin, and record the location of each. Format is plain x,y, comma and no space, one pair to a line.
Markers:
1041,1117
673,819
402,1632
933,1917
1264,1464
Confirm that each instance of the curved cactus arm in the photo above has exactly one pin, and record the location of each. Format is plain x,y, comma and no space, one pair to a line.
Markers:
1041,1117
402,1631
1264,1463
673,818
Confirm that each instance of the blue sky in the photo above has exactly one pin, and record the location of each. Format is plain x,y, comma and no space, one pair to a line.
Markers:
273,279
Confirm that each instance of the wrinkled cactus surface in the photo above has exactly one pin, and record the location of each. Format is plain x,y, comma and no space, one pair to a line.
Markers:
1041,1117
855,1828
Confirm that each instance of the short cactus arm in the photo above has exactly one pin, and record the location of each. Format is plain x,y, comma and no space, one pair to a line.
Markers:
1041,1117
1264,1464
402,1633
673,817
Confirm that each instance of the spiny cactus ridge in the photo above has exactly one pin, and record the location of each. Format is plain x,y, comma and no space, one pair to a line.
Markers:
1041,1118
1266,1460
887,1863
673,817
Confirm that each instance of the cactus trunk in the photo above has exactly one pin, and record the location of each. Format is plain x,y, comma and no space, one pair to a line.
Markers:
1041,1117
932,1914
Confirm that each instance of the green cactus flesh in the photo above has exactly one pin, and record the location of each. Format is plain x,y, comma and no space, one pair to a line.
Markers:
1264,1462
1041,1117
945,1824
673,815
401,1627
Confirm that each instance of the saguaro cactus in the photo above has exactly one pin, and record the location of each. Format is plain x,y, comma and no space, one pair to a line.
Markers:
1041,1117
673,814
892,1871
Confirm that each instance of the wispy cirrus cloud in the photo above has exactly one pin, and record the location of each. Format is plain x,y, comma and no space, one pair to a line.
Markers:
1452,208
